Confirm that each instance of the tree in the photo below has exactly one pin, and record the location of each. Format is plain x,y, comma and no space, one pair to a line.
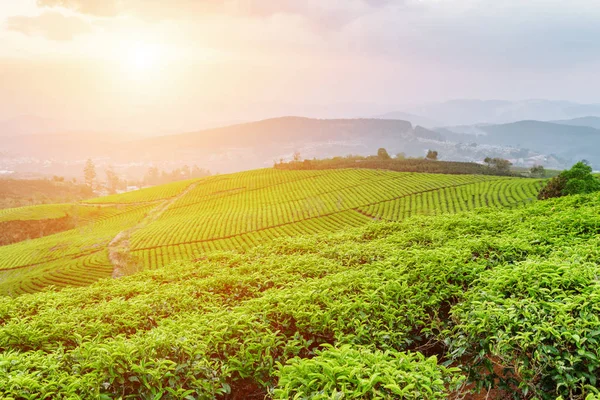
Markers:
152,176
112,180
499,164
382,154
89,173
537,171
296,156
577,180
432,155
400,156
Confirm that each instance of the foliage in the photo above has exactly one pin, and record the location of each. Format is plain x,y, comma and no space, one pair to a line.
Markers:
155,176
89,173
537,171
498,164
399,164
112,179
382,154
361,373
577,180
29,192
184,220
432,155
513,287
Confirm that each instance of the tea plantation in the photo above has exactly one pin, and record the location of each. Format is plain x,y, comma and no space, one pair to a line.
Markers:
501,302
122,234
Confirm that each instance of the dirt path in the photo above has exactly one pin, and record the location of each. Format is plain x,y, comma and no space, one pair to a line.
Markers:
118,248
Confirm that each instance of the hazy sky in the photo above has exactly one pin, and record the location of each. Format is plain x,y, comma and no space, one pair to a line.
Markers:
177,64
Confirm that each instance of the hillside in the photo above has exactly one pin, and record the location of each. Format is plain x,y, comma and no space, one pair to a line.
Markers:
27,192
227,149
570,143
474,111
150,228
592,122
504,302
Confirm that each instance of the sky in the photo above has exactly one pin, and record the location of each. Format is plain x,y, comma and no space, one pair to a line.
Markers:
136,65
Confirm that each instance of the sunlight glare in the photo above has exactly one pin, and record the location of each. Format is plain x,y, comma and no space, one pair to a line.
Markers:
142,60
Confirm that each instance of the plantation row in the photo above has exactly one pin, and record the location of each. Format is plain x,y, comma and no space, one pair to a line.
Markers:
252,210
81,213
238,212
416,310
86,239
499,193
148,195
162,255
71,258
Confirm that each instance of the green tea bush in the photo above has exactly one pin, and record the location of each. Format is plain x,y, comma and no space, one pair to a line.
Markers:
358,373
539,322
510,297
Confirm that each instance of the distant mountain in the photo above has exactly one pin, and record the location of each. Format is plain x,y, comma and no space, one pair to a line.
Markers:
571,143
412,118
592,122
257,144
28,125
227,149
470,112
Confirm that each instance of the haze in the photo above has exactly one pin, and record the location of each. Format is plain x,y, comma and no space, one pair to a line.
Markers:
141,66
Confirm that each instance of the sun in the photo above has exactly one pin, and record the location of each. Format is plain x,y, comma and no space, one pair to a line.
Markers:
142,60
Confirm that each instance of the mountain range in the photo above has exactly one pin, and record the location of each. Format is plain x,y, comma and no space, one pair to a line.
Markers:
554,142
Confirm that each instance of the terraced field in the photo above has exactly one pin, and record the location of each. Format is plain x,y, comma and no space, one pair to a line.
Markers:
183,220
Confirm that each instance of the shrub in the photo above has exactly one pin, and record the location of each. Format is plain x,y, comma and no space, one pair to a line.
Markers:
577,180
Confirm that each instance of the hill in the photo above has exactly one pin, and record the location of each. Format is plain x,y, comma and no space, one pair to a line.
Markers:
473,111
498,301
412,118
592,122
570,143
26,192
227,149
257,144
153,227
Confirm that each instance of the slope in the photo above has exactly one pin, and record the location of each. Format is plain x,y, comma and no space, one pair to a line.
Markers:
572,143
184,220
423,309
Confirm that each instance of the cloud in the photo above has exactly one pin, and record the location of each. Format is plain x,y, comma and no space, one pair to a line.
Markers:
99,8
173,9
52,25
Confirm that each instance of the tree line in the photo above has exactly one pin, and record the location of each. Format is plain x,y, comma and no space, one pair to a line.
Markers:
154,176
400,162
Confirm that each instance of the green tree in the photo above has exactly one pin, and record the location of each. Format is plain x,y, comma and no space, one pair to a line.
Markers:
577,180
432,155
501,165
537,171
382,154
89,173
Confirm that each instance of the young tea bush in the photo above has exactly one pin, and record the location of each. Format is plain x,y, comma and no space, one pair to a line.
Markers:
360,373
536,322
